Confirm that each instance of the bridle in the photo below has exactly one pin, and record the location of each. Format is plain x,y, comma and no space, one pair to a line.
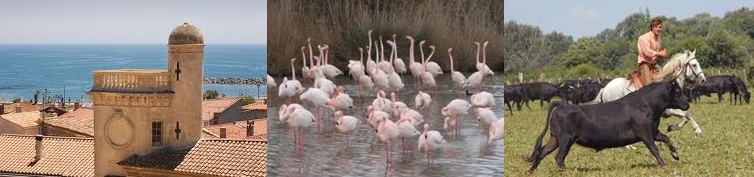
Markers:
696,75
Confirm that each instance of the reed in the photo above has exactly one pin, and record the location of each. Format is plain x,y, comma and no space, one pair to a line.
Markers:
343,25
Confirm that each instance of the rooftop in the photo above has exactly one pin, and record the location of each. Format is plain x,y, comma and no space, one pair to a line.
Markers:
24,119
217,105
62,156
81,125
255,106
25,107
208,157
185,34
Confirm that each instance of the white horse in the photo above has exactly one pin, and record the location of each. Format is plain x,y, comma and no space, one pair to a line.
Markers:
683,67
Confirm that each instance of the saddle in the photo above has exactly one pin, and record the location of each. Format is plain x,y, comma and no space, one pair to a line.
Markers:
635,77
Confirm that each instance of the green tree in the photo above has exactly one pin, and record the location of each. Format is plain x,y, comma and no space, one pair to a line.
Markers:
211,94
247,99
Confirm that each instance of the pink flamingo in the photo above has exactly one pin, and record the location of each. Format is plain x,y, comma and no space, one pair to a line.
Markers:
457,77
387,131
455,109
345,124
427,78
430,141
319,99
298,119
416,68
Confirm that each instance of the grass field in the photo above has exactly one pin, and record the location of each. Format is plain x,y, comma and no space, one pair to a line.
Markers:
724,149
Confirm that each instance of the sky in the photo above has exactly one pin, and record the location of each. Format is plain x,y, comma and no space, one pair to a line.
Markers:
580,18
130,22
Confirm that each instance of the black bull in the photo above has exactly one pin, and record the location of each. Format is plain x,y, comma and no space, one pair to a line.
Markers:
625,121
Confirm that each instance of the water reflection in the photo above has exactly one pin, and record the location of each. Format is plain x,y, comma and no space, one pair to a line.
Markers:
327,154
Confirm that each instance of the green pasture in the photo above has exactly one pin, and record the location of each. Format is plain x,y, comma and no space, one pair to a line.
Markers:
725,148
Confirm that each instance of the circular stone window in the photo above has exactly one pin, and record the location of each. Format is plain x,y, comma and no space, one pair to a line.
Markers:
119,131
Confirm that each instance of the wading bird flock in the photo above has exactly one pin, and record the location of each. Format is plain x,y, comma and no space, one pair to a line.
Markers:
390,118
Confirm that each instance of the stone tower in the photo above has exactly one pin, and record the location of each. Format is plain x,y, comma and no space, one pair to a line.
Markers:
139,111
186,68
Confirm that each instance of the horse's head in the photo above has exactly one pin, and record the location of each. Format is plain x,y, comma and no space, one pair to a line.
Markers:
693,71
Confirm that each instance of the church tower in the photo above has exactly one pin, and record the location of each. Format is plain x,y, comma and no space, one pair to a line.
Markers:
139,111
186,68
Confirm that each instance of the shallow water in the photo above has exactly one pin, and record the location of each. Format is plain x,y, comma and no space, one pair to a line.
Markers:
327,154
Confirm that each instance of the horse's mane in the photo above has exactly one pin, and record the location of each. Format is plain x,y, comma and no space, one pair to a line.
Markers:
673,67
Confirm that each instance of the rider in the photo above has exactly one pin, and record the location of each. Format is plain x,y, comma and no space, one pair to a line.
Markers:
650,51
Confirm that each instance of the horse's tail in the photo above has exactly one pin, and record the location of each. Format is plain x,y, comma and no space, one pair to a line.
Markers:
538,145
597,99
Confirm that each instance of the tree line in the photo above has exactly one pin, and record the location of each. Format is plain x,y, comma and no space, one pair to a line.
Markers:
720,42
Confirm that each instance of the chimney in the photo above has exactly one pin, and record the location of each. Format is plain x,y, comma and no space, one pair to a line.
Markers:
249,128
38,147
2,109
76,106
223,132
19,109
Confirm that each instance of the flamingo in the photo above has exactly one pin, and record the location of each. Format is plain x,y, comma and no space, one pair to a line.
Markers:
316,70
398,106
431,66
387,131
380,79
398,64
427,78
486,117
416,68
289,88
298,119
449,124
318,98
457,77
422,101
325,85
497,131
271,81
345,124
356,68
372,116
305,68
455,109
486,71
330,70
364,81
285,111
340,100
407,130
429,141
418,118
381,103
394,80
384,65
482,99
370,65
474,81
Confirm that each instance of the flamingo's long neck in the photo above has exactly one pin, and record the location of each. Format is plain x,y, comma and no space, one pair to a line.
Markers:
303,56
369,47
411,51
311,61
424,63
382,50
451,62
395,48
484,54
293,68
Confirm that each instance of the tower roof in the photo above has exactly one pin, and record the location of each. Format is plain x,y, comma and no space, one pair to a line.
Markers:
185,34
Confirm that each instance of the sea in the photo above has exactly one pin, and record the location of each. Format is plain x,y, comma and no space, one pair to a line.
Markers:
65,70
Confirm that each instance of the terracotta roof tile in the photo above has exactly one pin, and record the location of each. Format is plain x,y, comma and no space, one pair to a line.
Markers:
62,156
255,106
209,157
24,119
86,113
25,107
80,125
218,105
